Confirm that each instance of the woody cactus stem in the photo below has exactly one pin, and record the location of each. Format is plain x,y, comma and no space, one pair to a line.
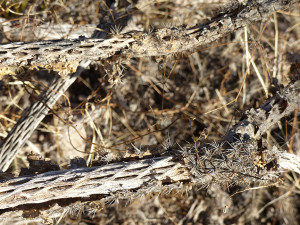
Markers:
242,157
163,42
32,116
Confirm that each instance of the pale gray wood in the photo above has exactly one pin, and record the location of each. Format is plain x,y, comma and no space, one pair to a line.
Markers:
166,41
84,182
135,178
32,117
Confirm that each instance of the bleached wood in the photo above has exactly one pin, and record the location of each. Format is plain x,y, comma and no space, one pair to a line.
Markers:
47,31
262,119
85,182
166,41
58,53
32,116
289,162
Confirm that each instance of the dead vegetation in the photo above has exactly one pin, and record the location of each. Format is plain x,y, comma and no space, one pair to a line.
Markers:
169,101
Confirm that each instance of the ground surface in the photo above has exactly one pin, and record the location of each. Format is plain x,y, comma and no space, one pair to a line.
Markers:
159,101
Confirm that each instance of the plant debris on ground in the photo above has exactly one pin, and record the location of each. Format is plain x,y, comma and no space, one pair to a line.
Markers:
167,101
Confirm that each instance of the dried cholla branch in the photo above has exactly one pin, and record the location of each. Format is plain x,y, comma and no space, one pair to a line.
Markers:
163,42
289,162
259,121
242,149
80,183
32,116
13,31
239,161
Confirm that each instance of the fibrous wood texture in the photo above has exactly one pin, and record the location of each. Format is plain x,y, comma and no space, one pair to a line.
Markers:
115,178
163,42
33,116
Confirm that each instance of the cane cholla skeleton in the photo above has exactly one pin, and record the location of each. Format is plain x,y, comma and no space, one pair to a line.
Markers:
164,42
32,116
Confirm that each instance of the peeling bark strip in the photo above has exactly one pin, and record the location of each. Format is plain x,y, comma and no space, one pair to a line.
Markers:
242,160
164,42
